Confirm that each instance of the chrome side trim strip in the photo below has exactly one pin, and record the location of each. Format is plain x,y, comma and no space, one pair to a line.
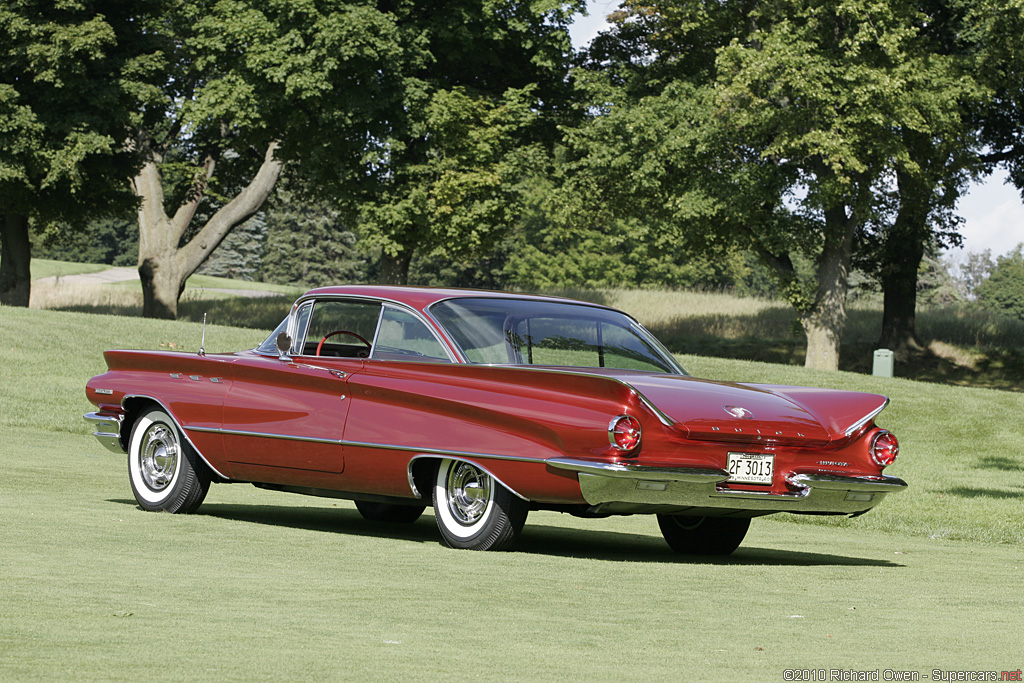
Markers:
265,435
456,455
867,418
662,417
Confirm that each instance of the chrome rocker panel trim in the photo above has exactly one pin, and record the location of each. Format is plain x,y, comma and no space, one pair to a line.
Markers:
622,487
108,430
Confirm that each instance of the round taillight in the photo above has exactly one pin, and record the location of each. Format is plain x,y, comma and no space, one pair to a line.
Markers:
624,433
884,448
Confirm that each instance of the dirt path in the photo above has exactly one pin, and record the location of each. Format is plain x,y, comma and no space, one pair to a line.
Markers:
125,273
116,274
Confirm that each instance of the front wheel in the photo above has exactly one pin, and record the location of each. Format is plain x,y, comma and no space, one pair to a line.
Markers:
703,535
473,510
166,473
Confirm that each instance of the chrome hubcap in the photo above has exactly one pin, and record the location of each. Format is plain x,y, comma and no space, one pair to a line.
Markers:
158,456
469,492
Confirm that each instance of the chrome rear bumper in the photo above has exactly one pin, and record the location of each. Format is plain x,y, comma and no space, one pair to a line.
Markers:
108,430
624,488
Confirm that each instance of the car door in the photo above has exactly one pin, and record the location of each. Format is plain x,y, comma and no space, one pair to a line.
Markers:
284,417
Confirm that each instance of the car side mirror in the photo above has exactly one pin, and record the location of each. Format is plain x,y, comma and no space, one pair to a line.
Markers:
284,345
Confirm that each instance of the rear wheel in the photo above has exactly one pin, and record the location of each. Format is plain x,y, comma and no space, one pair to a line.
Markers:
703,535
385,512
475,511
165,472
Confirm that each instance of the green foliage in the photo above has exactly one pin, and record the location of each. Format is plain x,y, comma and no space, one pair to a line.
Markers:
935,284
1003,291
105,240
240,255
453,191
971,271
65,94
792,128
308,245
226,78
481,87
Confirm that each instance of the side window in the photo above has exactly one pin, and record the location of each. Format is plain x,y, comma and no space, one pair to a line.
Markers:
403,336
341,329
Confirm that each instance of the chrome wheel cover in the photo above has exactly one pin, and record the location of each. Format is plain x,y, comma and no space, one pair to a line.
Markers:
158,456
469,492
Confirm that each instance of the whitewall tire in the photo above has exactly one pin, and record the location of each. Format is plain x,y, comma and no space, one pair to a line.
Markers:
165,472
473,510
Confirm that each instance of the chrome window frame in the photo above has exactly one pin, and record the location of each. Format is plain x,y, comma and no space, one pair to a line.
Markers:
438,334
418,318
641,331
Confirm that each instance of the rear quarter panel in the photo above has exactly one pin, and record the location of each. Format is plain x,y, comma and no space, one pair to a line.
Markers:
512,418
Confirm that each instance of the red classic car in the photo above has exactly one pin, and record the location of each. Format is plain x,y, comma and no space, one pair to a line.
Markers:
487,405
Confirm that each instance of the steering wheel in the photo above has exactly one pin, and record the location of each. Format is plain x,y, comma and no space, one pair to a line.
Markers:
351,334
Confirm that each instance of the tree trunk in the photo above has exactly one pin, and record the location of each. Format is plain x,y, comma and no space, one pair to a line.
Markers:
394,269
15,259
825,321
902,253
162,285
165,264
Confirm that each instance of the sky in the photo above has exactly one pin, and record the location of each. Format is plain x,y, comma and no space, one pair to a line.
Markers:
993,211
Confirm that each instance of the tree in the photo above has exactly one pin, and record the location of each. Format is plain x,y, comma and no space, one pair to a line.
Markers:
309,244
771,125
114,241
243,87
482,85
971,272
1003,291
240,255
66,80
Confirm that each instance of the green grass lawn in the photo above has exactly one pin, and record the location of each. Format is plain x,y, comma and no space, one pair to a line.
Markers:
272,586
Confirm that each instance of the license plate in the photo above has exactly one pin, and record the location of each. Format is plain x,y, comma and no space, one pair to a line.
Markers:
751,468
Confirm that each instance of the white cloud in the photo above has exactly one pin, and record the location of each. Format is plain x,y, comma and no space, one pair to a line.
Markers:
993,215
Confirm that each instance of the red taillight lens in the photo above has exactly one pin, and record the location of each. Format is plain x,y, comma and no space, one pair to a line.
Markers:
884,448
624,433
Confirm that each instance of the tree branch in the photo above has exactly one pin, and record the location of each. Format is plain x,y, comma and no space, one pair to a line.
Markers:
183,216
237,211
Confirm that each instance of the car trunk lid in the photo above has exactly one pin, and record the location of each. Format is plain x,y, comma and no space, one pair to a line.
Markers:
751,413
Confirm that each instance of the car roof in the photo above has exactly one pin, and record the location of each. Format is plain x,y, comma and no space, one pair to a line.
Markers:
422,297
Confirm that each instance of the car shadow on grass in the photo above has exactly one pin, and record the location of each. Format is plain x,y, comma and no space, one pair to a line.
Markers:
321,519
536,539
972,492
621,547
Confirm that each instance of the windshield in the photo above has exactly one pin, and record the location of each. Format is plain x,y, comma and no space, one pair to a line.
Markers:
524,332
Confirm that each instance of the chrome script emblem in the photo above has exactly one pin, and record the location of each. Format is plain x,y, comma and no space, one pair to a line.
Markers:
740,412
